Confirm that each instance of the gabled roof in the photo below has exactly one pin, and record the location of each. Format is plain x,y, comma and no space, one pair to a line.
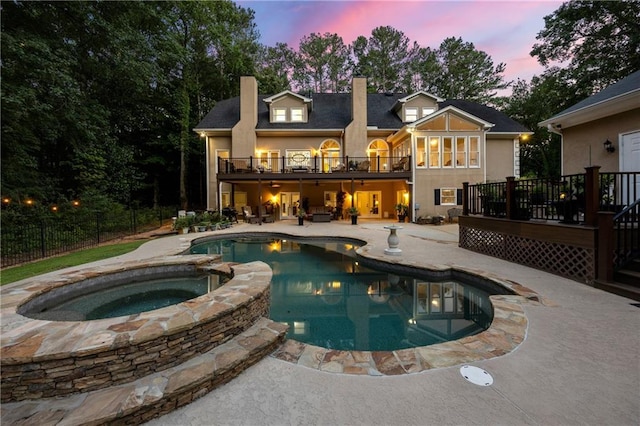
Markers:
401,101
619,97
451,108
502,123
333,111
287,93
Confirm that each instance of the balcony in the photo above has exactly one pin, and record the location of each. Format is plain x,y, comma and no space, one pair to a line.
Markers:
298,166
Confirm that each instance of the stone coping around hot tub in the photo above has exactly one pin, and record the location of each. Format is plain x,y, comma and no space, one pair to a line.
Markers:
53,358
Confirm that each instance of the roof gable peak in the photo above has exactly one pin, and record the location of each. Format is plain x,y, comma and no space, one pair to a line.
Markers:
287,93
450,108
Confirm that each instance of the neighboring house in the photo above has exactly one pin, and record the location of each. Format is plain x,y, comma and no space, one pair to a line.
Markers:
381,149
609,119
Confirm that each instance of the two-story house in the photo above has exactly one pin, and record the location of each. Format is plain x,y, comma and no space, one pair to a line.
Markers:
373,150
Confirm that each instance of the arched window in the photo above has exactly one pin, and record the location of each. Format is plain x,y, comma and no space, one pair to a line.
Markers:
378,153
329,155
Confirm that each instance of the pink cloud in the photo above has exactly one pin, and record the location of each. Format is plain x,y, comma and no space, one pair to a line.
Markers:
505,30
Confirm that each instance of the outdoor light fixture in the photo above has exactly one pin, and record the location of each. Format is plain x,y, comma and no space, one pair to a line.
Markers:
608,145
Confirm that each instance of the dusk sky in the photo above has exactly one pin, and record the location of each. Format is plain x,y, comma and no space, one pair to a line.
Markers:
505,30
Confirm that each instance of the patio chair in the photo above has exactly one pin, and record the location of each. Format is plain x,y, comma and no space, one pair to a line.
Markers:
364,166
339,168
248,216
400,165
266,217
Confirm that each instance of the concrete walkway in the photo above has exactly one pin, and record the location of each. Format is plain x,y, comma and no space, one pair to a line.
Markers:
579,363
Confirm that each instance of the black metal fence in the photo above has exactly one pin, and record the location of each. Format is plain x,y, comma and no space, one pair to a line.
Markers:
45,237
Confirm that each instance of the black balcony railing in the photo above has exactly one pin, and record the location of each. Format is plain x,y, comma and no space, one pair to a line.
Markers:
300,163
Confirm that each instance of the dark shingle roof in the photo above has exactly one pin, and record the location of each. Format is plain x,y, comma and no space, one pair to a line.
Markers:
330,111
333,111
224,115
626,85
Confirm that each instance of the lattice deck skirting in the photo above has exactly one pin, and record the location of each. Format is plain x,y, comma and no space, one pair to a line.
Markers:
576,263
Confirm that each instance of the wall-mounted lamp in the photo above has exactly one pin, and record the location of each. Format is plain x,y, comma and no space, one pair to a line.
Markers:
608,145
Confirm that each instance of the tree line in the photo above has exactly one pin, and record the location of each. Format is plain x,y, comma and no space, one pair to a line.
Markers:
99,99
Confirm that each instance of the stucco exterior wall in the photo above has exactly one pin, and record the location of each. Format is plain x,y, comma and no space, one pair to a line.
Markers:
355,135
426,181
244,131
500,161
583,145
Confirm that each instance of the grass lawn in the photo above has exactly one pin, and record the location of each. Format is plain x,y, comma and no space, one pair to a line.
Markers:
72,259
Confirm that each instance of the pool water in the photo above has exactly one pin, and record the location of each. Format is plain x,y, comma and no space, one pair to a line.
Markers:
329,299
132,298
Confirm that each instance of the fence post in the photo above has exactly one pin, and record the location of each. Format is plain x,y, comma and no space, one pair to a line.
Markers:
43,240
511,198
591,195
465,198
98,227
606,243
135,221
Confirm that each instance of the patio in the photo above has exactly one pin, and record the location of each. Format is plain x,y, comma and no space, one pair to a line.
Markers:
578,363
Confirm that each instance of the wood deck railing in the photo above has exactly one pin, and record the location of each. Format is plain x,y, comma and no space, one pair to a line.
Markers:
583,226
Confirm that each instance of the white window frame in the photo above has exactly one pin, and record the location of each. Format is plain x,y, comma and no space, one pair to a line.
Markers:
442,196
461,162
423,153
279,114
410,117
438,154
447,162
428,111
297,114
474,152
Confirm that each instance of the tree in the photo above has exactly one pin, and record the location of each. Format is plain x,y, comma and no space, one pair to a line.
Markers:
384,58
531,103
322,63
275,67
600,40
100,97
466,73
423,71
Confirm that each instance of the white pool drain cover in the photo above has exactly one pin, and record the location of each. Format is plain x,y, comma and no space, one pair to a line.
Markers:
476,375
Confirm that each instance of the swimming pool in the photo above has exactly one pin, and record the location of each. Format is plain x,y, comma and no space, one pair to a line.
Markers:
329,298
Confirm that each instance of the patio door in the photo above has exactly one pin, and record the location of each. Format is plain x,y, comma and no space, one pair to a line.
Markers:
368,202
289,204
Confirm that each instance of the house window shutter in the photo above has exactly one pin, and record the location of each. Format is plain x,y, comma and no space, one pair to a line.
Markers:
436,196
459,196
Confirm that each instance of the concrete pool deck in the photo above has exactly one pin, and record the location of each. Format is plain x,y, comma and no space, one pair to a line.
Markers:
578,364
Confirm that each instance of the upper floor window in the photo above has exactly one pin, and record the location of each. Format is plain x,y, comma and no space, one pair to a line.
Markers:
410,114
287,114
297,115
279,115
474,151
449,151
461,152
427,110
